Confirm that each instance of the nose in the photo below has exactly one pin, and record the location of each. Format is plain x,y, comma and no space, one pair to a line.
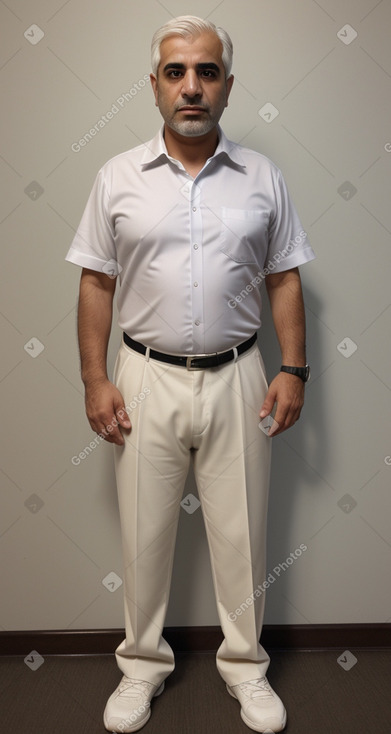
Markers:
191,86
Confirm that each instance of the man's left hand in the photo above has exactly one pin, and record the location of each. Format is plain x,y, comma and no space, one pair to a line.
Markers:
288,392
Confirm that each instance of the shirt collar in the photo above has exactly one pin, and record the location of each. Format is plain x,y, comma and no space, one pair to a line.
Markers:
156,149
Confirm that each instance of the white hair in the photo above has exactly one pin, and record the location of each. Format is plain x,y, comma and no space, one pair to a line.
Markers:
190,25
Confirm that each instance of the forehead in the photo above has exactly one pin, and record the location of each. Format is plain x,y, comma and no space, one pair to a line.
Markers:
192,49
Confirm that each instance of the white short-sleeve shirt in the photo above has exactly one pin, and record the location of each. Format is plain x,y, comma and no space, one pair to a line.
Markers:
191,254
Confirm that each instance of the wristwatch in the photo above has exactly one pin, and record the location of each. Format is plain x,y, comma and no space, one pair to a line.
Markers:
302,372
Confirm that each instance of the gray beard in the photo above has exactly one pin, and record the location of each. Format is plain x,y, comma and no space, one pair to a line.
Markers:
193,128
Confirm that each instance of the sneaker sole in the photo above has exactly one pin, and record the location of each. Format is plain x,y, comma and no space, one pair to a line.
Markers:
251,724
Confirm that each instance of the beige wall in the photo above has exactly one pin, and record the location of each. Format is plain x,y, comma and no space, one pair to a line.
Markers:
59,530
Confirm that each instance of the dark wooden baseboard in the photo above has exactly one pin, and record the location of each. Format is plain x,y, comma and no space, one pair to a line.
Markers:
198,639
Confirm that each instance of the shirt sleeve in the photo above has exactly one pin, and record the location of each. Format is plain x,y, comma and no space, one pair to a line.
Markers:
93,246
289,246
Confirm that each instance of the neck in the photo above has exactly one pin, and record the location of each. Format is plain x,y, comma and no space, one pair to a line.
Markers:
191,151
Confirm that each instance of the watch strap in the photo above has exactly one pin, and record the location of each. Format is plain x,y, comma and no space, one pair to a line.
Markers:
302,372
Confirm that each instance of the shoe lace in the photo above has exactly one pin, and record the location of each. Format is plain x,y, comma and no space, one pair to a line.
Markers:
257,688
129,688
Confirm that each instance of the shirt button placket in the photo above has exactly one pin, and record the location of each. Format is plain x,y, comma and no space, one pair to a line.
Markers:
196,264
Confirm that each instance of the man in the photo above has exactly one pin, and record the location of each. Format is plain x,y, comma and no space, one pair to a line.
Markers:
193,224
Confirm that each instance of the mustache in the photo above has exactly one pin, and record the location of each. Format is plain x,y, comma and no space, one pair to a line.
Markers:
194,105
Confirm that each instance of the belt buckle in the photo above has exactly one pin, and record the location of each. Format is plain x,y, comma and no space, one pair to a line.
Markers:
189,359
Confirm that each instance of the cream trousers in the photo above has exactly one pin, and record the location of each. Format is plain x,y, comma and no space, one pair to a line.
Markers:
209,417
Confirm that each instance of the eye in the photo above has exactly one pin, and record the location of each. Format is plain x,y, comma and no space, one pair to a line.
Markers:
174,74
209,74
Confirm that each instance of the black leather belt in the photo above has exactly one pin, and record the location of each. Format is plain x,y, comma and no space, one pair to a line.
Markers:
193,361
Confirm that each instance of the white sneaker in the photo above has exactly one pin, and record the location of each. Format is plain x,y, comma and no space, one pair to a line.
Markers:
262,710
129,707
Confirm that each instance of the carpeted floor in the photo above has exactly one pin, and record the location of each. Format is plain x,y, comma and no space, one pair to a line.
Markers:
67,695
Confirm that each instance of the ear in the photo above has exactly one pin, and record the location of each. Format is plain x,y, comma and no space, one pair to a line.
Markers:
154,87
229,84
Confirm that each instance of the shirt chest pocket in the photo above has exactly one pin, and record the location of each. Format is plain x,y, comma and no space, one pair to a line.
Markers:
244,235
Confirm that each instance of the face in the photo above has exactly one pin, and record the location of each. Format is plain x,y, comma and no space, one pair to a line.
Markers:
190,89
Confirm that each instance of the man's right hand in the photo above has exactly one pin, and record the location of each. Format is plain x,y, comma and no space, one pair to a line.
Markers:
106,411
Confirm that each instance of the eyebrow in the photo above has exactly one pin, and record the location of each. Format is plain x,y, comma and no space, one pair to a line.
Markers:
200,67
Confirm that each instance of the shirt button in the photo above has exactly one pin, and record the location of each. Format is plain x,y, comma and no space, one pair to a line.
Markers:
194,208
195,247
196,285
197,323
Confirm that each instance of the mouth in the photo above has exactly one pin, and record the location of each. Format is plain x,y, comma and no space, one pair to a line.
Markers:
192,108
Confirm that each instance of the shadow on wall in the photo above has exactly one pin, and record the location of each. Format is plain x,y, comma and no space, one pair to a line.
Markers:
301,456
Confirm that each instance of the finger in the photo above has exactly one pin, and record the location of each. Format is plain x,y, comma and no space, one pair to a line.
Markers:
268,404
285,418
269,425
112,436
117,437
111,432
275,428
123,418
281,417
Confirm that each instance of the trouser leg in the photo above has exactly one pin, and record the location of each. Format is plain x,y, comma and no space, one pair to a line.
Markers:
151,470
232,465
